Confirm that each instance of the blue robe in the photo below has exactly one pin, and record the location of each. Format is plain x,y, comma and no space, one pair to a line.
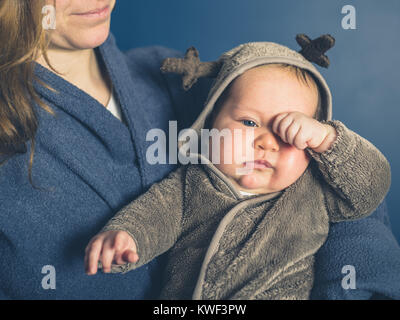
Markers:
88,165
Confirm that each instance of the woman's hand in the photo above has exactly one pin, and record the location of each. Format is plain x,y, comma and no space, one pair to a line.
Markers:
302,131
109,246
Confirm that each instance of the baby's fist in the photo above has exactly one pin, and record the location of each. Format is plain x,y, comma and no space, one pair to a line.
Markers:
302,131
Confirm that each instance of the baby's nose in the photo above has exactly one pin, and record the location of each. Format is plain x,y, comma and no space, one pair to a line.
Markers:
266,141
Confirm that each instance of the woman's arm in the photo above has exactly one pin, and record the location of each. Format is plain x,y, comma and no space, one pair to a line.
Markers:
359,260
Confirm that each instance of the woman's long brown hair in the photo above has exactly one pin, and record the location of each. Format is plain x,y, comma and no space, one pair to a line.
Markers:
22,40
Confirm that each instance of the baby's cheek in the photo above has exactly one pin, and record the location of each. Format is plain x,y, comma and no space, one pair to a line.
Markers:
292,164
292,158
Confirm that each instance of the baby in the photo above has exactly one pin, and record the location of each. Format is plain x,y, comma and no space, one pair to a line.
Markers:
251,234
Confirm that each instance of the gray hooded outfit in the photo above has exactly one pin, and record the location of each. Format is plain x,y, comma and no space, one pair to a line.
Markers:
224,245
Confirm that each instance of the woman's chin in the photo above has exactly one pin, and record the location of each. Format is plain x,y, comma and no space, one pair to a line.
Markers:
83,39
95,38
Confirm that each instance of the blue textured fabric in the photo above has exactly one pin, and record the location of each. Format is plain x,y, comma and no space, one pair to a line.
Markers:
369,246
90,165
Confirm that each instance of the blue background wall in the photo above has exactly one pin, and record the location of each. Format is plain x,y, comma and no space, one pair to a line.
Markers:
364,75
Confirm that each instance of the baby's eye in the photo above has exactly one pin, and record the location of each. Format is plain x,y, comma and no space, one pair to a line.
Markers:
249,123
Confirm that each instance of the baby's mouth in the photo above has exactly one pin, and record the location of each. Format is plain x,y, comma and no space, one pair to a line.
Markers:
257,164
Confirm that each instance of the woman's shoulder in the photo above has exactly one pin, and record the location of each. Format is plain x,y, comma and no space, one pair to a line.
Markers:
150,58
144,63
154,53
148,61
140,59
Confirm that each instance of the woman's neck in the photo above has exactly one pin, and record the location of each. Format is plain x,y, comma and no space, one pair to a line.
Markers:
81,68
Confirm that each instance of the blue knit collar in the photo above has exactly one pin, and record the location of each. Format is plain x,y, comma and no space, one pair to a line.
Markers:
120,139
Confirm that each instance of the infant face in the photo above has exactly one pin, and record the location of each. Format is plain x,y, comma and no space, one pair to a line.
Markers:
254,100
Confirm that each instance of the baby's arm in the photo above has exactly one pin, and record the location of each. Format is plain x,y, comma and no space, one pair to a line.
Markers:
142,230
357,173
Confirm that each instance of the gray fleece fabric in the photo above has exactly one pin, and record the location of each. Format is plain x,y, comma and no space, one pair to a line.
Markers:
228,246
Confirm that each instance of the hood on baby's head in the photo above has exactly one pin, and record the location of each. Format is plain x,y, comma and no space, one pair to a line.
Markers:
236,61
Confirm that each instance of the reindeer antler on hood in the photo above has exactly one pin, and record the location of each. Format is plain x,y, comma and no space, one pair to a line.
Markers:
238,60
191,67
314,50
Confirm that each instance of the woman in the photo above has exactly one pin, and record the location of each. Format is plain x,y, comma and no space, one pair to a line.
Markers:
84,163
74,116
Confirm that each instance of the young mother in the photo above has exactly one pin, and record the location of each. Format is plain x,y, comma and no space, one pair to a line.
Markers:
74,113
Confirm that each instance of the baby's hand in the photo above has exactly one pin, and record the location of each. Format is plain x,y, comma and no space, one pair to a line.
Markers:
302,131
109,246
